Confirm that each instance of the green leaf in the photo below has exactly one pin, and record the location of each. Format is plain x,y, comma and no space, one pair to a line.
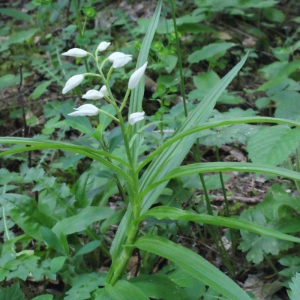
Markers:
212,51
40,90
205,82
221,167
43,297
274,15
272,145
82,220
158,287
289,107
124,290
52,240
165,212
57,263
259,245
193,264
295,287
12,293
91,246
8,80
292,263
82,187
24,212
16,14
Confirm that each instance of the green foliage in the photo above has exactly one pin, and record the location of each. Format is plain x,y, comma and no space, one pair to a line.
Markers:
13,292
294,286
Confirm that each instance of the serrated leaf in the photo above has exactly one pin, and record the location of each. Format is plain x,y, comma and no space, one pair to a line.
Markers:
257,245
12,293
295,287
272,145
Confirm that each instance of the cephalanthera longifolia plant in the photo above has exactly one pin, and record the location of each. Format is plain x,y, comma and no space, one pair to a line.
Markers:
140,181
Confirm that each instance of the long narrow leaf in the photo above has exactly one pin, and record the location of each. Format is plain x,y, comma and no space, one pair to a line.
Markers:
222,167
193,264
175,154
172,213
88,152
211,125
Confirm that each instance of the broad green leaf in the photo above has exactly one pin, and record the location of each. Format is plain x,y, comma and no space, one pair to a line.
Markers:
213,51
289,107
8,80
292,263
57,263
124,290
280,69
82,187
21,36
272,145
205,82
158,287
82,220
52,240
295,287
165,212
24,212
274,15
91,246
193,264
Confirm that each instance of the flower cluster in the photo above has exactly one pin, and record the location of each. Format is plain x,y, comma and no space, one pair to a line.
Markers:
118,60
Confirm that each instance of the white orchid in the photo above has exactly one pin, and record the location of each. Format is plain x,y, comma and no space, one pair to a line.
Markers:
85,110
119,59
93,95
103,90
72,82
136,117
136,76
75,52
103,46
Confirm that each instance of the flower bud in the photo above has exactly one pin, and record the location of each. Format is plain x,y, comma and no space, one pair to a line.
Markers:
85,110
72,82
119,59
136,117
75,52
93,95
136,76
103,46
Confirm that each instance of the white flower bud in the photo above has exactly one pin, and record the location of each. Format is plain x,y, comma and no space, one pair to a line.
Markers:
75,52
85,110
119,59
72,82
136,117
103,90
103,46
93,95
136,76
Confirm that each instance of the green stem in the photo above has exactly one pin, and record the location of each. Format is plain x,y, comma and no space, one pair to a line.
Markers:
5,224
125,99
182,87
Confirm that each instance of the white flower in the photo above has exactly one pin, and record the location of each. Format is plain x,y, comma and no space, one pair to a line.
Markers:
103,90
103,46
119,59
136,76
85,110
136,117
75,52
72,82
93,95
